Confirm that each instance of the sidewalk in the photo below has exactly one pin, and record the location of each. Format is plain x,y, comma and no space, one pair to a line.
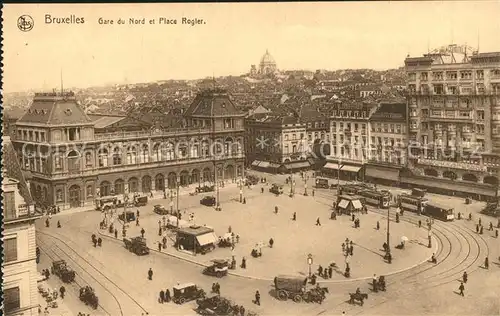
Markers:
61,310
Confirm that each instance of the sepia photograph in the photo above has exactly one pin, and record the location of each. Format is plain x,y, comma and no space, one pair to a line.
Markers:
251,159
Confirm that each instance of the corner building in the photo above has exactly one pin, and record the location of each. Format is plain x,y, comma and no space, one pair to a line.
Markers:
454,116
73,157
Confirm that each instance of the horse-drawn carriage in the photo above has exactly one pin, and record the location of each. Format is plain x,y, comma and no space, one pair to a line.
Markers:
88,296
295,287
63,271
358,296
379,284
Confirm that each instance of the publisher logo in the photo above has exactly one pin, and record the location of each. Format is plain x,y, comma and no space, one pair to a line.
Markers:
25,23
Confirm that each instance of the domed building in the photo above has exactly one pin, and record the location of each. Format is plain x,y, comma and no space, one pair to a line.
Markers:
267,64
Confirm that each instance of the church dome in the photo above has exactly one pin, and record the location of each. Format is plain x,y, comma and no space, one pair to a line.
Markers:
267,59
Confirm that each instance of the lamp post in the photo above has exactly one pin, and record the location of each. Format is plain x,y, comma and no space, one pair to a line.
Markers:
291,183
305,184
388,250
310,262
241,190
178,184
217,187
429,233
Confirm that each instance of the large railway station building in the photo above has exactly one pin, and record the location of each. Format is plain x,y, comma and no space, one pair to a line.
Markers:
72,158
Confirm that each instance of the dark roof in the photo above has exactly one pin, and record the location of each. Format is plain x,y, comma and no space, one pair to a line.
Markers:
54,109
196,230
213,102
12,169
491,54
14,113
392,111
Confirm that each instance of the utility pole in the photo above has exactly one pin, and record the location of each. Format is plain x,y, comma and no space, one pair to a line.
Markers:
306,177
388,251
178,182
291,183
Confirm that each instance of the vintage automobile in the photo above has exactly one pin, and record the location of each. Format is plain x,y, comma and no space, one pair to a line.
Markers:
160,209
140,200
187,292
276,189
136,245
130,215
63,271
214,305
88,296
208,201
226,240
218,268
293,287
105,203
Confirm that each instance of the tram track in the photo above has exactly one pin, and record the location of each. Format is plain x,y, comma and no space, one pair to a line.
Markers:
75,284
79,258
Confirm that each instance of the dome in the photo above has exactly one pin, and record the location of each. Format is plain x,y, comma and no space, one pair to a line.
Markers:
267,59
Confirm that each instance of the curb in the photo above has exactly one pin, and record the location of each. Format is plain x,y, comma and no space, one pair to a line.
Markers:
270,279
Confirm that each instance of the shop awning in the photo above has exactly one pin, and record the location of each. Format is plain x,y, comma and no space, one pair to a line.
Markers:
255,163
357,204
298,165
264,164
206,239
343,204
382,173
449,185
350,168
331,165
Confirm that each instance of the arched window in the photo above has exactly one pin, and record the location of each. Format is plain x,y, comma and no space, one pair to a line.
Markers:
105,188
88,160
117,156
205,149
131,156
183,151
169,152
157,152
73,161
195,149
144,155
227,146
59,195
90,191
119,186
133,185
103,157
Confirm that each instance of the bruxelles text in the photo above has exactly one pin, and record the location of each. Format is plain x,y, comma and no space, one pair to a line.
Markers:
219,150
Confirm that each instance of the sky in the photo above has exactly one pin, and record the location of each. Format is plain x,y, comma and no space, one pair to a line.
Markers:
377,35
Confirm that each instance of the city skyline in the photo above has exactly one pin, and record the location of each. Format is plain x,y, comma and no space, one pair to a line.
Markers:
234,37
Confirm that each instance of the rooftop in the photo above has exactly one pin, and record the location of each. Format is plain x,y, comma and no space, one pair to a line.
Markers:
11,169
212,103
196,230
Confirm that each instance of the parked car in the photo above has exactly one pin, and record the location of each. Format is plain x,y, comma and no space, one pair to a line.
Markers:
208,201
187,292
276,189
218,268
129,215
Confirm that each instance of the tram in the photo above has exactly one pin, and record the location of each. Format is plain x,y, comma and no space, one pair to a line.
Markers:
412,203
439,211
376,198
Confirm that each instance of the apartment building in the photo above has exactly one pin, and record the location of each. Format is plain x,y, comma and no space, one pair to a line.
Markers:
454,120
19,269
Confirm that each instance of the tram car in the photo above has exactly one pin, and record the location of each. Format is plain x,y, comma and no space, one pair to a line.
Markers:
376,198
412,203
438,211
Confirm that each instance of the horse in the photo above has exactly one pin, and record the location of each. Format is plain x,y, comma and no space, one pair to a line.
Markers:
357,297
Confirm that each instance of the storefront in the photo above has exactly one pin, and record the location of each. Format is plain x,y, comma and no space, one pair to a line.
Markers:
198,239
295,166
350,173
385,175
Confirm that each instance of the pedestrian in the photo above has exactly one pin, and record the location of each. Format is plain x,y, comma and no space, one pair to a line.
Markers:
320,270
244,200
237,238
486,263
257,298
378,225
461,288
419,223
271,243
229,229
351,250
150,274
294,217
262,190
167,296
275,210
491,225
481,230
465,277
58,224
116,233
318,223
243,263
330,272
137,221
313,192
162,297
242,310
47,223
62,290
479,221
498,223
159,246
137,213
477,228
496,233
343,247
143,232
99,241
159,231
374,282
352,217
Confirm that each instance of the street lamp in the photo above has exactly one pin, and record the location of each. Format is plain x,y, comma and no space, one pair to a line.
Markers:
388,249
291,183
178,184
310,262
305,184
